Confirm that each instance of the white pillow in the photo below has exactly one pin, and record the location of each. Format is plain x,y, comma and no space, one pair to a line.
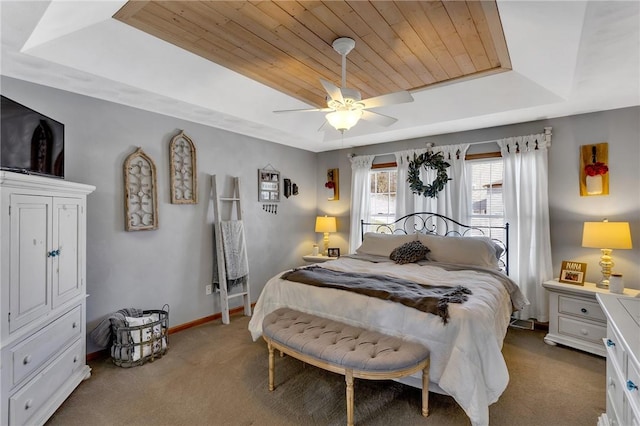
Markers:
475,251
383,244
146,334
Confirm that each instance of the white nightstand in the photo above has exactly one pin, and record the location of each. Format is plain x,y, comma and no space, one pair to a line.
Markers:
575,317
317,259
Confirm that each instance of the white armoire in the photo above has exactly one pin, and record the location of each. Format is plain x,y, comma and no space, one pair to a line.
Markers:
43,295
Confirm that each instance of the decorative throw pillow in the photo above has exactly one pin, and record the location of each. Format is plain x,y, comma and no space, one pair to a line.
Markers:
142,335
409,252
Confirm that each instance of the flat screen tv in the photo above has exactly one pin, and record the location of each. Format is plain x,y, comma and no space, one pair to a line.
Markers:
30,142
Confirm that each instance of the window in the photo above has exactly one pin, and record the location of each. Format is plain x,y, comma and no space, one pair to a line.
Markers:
382,205
487,203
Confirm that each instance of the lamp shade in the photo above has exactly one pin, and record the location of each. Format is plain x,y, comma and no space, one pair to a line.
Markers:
611,235
325,224
344,120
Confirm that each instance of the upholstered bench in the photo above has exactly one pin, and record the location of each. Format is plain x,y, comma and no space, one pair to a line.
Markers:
351,351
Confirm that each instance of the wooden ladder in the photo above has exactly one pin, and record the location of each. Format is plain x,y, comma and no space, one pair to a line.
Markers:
234,199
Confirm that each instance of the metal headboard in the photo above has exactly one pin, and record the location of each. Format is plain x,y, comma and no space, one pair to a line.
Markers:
437,224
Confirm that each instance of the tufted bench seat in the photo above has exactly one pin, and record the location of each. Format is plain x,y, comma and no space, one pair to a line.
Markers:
351,351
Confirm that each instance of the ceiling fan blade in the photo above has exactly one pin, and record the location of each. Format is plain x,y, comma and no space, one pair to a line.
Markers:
305,110
334,91
388,99
380,119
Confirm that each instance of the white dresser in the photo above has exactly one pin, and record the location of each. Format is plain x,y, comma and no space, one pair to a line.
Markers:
575,317
623,360
43,295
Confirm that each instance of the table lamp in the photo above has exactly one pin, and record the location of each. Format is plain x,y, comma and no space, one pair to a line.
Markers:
325,224
613,235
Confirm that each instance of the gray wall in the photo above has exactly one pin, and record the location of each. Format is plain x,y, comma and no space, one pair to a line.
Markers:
568,210
172,264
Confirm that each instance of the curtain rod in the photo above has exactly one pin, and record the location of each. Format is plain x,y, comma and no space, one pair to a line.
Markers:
432,145
546,133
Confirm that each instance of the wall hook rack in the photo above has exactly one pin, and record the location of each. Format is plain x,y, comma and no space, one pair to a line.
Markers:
270,208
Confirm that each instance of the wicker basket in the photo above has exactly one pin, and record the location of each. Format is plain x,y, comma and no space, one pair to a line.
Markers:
147,340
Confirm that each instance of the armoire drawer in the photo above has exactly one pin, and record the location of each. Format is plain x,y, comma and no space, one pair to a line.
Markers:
33,396
580,329
28,355
580,307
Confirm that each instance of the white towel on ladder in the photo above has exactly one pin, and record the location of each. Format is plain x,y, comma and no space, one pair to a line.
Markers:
235,253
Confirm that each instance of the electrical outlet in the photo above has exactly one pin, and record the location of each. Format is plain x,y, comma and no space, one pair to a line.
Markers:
208,289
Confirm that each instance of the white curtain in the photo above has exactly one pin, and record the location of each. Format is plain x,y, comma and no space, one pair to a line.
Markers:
452,201
526,202
405,202
360,194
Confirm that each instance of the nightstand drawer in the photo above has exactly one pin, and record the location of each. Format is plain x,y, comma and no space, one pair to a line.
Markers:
581,329
580,307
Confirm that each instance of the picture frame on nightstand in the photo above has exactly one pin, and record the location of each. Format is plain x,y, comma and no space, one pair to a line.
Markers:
573,272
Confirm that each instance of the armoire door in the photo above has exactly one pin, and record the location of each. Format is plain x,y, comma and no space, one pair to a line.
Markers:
30,259
67,244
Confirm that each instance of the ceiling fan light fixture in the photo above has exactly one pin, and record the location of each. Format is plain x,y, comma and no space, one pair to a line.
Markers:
346,105
345,119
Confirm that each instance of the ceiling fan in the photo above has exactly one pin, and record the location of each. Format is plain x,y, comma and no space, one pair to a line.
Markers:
345,106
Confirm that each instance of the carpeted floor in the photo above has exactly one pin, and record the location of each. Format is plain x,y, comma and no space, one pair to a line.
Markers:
216,375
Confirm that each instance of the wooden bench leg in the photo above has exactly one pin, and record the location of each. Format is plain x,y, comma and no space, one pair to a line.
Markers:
425,391
272,363
348,376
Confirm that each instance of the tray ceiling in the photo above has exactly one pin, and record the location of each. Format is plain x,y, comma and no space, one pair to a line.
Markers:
566,58
400,45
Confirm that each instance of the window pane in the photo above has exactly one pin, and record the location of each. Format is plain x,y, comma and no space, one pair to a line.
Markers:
487,204
393,182
382,205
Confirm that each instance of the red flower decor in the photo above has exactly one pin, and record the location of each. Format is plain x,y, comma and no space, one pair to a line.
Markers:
596,168
331,184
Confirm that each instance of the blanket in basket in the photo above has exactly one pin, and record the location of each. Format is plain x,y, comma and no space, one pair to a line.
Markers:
102,336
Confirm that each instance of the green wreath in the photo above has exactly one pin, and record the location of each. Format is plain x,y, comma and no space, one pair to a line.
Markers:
428,160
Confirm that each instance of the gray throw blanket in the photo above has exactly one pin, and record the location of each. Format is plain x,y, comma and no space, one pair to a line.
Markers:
426,298
102,336
235,254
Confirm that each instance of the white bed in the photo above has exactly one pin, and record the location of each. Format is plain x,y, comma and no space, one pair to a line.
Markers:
466,358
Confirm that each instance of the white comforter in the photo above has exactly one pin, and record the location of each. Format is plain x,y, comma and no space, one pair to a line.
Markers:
466,357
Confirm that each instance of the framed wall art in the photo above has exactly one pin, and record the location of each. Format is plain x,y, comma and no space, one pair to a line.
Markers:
594,169
268,185
140,192
183,173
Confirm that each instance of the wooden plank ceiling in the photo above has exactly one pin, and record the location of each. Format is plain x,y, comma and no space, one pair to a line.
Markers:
400,45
